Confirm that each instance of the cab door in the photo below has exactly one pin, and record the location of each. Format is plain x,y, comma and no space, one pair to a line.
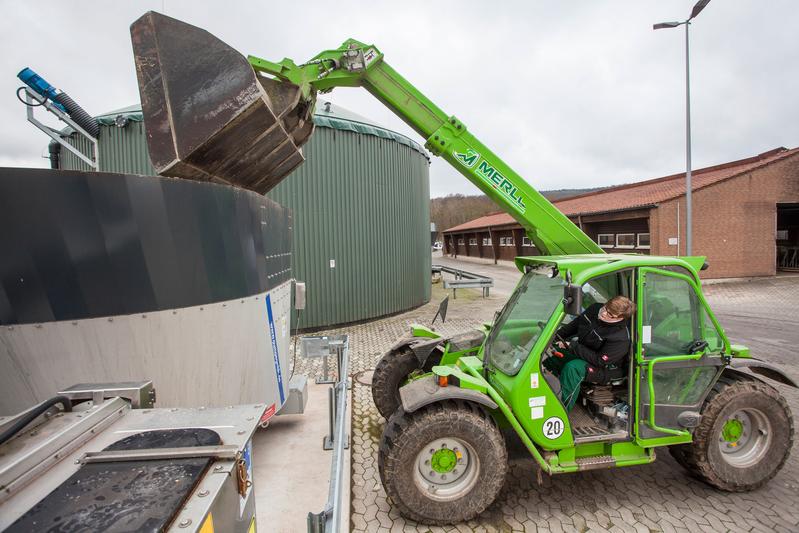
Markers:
679,349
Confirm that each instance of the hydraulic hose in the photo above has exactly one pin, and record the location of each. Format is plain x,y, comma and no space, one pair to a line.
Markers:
29,417
78,114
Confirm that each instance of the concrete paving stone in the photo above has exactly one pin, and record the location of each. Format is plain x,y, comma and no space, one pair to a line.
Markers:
650,512
623,527
758,525
653,526
693,525
579,522
711,512
529,526
743,527
666,517
699,519
370,513
666,527
383,519
358,523
513,523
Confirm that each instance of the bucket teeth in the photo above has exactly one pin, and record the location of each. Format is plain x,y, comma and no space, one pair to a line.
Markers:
208,116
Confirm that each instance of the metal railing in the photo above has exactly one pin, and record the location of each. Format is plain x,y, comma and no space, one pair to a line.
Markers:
464,280
328,520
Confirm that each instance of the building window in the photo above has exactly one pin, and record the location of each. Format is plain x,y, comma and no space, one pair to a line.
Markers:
625,240
472,242
460,241
486,241
606,240
782,234
508,241
527,242
643,240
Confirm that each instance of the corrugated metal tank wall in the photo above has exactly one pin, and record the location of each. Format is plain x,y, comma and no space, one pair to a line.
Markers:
121,150
361,199
363,202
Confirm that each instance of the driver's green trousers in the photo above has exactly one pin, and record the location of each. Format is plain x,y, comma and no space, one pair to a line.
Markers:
571,371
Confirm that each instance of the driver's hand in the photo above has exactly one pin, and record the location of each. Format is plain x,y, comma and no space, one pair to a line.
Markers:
562,345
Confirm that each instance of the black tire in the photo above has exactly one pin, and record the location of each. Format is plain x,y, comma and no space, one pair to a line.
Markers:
704,457
390,372
404,445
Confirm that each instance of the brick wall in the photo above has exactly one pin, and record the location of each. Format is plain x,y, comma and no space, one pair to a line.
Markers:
734,221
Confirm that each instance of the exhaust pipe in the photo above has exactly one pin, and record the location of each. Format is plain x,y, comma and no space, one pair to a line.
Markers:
207,115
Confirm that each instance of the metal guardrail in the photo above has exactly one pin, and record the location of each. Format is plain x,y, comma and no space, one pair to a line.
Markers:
464,280
328,520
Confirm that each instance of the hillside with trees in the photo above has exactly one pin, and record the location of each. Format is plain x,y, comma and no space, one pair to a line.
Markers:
451,210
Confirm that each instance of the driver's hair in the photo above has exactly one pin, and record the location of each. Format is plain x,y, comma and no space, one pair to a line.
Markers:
620,306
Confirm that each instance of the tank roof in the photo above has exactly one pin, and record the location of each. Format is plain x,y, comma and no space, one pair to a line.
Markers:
326,115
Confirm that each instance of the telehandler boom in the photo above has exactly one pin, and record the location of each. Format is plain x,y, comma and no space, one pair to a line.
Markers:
211,114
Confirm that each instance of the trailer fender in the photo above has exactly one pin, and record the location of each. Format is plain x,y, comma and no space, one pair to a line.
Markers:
425,391
764,369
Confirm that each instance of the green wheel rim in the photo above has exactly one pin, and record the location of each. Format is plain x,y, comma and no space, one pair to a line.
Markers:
745,437
446,469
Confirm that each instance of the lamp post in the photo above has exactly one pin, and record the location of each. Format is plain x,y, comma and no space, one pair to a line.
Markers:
698,7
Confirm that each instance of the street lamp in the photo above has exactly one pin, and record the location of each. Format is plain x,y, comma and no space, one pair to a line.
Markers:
698,7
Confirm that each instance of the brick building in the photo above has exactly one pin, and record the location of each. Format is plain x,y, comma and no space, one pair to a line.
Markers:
745,215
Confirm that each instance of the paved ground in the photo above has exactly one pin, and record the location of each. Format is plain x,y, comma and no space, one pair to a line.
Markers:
656,497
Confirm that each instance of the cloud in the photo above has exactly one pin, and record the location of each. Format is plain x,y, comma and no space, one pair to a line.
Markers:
570,94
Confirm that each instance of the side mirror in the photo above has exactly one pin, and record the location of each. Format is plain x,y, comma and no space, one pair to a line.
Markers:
442,311
573,299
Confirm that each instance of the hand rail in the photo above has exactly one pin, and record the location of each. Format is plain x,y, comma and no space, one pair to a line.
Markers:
328,520
651,386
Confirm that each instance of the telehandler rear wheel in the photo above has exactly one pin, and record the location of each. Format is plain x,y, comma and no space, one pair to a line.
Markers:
443,464
744,437
390,374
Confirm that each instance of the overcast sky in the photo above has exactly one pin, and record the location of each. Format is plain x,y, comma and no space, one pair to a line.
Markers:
570,94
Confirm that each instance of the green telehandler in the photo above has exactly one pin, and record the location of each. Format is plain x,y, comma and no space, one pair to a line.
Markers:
212,114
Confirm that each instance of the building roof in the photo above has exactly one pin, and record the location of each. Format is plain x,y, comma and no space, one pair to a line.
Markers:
492,219
643,193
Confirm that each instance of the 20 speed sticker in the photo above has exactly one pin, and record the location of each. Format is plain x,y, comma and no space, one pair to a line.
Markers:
553,427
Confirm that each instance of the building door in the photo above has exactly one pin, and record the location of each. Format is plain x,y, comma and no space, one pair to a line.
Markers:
788,237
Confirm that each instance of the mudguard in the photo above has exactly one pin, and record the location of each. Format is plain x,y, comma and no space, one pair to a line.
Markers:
762,368
421,347
424,391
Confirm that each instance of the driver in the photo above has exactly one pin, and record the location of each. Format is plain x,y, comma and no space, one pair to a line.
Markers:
598,354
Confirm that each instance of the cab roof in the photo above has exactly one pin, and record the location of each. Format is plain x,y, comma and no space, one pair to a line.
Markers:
579,263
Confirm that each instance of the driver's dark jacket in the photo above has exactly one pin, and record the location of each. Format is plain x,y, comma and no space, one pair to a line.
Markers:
604,346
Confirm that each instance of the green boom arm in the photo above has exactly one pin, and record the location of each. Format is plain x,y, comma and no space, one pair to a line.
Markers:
359,65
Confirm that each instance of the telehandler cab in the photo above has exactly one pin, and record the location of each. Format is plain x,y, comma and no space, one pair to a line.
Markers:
211,114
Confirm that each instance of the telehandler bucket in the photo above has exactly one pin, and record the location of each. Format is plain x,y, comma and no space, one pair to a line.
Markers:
208,116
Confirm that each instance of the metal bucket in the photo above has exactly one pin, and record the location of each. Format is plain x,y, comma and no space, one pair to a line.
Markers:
208,116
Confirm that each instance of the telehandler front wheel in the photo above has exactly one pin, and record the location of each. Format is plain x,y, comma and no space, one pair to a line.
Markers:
744,437
443,464
391,373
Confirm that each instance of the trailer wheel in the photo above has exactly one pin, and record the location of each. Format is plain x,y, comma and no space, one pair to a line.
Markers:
443,464
390,374
744,437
